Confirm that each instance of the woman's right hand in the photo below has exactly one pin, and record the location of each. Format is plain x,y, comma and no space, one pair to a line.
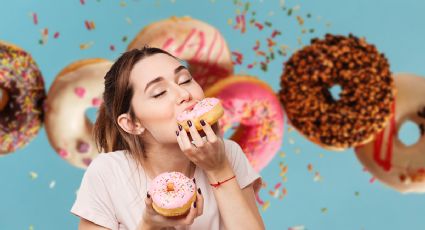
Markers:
153,220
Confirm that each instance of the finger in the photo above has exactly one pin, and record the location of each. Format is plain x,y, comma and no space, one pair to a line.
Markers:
199,202
195,135
148,202
186,145
211,137
192,214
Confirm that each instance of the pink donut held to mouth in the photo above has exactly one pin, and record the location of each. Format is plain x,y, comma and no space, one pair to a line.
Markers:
208,109
172,193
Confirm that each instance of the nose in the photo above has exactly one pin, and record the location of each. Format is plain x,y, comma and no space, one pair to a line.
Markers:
183,95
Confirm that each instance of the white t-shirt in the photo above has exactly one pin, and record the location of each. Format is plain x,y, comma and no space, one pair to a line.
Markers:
113,190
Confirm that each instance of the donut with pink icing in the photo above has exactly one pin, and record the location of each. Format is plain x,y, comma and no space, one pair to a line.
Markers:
208,109
76,88
253,104
172,193
390,161
22,94
199,44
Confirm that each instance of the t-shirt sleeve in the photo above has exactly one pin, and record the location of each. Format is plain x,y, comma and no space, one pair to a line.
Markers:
93,201
245,173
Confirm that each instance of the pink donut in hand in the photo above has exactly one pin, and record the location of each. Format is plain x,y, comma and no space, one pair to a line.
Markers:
172,193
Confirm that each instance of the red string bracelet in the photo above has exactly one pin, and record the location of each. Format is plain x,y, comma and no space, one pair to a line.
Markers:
222,182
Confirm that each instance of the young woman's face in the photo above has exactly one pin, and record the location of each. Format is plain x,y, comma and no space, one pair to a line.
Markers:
163,88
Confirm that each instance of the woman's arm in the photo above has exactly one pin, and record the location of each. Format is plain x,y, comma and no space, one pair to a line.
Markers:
237,207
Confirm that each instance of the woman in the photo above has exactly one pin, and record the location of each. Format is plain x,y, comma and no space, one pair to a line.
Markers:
145,90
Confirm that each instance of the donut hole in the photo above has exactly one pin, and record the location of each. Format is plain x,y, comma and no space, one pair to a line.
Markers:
91,114
232,130
409,133
335,92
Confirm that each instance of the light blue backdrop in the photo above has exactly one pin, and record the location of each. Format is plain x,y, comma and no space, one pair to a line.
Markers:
343,199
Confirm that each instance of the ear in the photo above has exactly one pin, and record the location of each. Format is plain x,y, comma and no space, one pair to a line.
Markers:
125,122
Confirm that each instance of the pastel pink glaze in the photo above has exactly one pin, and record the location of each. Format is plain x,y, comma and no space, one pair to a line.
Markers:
259,112
184,188
200,108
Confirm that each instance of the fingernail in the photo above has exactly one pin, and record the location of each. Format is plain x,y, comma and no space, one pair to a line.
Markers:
180,127
202,122
177,133
194,204
199,191
194,180
148,196
189,123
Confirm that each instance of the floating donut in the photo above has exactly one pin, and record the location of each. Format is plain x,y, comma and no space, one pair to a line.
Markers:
76,88
172,193
365,101
21,98
208,110
399,166
196,42
253,104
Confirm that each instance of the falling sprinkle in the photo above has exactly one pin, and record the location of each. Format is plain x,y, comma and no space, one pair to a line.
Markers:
86,45
310,167
357,194
124,39
282,154
33,175
89,25
300,20
321,155
282,3
317,177
56,35
123,4
266,206
259,26
298,227
229,21
291,141
372,180
82,2
31,227
128,20
35,18
324,210
112,47
297,151
52,184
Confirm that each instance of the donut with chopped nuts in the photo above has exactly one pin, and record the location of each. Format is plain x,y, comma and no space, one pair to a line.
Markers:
364,103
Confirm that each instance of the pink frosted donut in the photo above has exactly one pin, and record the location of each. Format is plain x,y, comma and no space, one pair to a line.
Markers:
399,166
253,104
199,44
208,109
172,193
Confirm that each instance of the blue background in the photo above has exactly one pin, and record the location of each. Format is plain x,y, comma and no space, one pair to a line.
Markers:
343,199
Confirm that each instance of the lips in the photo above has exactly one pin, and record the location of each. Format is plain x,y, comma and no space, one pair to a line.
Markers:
188,109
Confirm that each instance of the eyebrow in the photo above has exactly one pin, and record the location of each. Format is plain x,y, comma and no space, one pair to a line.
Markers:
159,78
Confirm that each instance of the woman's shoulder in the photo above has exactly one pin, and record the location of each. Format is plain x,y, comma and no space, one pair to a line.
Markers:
108,161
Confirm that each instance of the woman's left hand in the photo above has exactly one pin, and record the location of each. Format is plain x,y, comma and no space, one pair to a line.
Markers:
208,154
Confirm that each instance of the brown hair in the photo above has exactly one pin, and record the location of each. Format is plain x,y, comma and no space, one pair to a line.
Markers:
109,136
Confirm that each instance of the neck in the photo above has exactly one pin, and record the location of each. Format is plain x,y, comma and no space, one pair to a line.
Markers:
167,158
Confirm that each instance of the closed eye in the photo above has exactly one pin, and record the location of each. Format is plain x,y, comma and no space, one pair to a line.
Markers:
160,94
185,82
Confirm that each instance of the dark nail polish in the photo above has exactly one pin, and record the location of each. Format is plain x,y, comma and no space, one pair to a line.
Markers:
148,196
194,204
177,133
180,127
202,122
199,191
194,180
189,123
